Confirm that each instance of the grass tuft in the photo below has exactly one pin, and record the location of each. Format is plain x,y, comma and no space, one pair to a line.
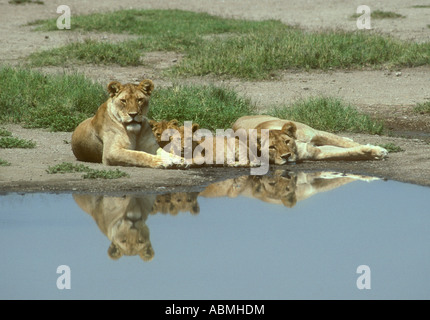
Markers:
13,142
391,147
5,133
379,14
423,108
329,114
67,167
89,51
4,163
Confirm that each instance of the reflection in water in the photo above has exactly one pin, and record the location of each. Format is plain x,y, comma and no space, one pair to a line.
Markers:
282,187
123,219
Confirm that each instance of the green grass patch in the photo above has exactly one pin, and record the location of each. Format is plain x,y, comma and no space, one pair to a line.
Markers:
9,142
423,108
89,51
67,167
218,46
13,142
210,106
4,163
5,133
421,6
391,147
329,114
57,102
379,14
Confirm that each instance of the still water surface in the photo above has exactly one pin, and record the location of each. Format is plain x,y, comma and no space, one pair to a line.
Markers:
284,236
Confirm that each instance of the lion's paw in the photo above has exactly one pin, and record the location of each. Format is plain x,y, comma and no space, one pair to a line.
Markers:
377,153
170,160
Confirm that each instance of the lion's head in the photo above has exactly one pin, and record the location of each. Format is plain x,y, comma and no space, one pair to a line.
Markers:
176,139
282,144
173,203
123,221
129,235
158,127
281,186
129,103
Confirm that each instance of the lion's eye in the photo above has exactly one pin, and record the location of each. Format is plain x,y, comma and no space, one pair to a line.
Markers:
123,101
272,148
140,100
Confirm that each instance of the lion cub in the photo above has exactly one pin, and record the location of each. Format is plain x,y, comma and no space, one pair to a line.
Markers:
119,132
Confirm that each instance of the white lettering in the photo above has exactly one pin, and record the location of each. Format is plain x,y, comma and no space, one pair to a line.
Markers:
63,21
64,281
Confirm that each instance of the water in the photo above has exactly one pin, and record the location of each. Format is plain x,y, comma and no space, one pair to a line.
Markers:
284,236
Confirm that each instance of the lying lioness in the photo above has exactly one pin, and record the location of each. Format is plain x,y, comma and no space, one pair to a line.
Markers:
119,132
314,144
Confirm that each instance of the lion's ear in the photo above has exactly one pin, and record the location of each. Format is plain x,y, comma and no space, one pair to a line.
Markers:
289,200
290,129
147,253
173,123
146,86
114,87
152,123
195,127
114,252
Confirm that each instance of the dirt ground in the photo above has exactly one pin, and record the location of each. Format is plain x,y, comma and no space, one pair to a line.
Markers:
388,95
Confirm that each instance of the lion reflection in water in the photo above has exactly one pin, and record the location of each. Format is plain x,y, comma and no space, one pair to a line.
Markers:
282,187
123,219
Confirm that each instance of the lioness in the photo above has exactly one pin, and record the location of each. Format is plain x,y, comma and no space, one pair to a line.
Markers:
314,144
119,132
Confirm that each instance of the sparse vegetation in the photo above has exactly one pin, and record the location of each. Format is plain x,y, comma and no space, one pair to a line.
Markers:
380,14
329,114
67,167
5,133
228,47
391,147
423,108
4,163
421,6
13,142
